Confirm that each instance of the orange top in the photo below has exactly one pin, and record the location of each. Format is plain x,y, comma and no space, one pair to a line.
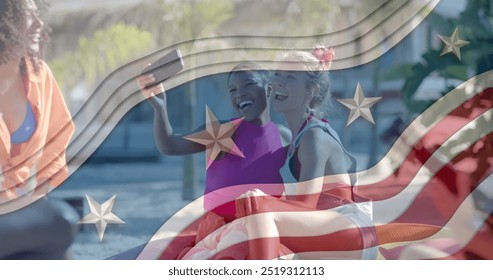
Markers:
43,155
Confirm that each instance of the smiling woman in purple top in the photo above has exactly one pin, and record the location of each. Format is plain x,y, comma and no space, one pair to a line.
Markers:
257,138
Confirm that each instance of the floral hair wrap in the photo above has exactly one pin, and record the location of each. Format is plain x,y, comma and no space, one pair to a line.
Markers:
325,56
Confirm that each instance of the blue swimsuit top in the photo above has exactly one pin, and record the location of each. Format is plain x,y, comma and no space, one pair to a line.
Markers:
287,171
27,128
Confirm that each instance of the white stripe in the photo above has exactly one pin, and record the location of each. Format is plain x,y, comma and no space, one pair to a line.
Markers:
388,210
172,228
463,225
422,125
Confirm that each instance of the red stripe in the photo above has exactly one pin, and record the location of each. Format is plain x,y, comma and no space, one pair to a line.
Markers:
445,128
440,195
435,204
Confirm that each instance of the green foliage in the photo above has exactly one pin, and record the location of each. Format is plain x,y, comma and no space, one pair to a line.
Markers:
396,72
194,18
213,13
458,72
100,54
316,13
475,25
190,20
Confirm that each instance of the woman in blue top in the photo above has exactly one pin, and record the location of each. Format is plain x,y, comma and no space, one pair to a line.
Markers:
317,218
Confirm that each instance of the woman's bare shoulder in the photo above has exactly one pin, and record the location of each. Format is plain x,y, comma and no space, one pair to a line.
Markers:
285,134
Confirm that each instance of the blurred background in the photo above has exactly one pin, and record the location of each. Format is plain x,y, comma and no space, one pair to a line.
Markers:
92,39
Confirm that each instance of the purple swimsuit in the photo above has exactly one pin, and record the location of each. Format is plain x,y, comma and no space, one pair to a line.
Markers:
264,157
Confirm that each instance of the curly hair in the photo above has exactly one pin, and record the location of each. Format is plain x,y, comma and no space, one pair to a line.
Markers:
14,44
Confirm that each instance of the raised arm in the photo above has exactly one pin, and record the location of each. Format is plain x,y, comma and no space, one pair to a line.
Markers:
166,140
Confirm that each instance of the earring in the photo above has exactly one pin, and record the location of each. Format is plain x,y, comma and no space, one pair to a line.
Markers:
308,110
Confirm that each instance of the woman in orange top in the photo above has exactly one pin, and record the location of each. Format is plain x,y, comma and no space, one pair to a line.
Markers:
35,128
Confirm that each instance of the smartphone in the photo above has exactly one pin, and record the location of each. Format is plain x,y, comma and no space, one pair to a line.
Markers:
165,67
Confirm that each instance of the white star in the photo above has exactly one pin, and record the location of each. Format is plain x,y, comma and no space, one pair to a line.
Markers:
217,137
101,215
453,43
359,106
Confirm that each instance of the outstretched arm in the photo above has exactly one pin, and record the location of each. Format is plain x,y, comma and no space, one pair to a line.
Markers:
166,140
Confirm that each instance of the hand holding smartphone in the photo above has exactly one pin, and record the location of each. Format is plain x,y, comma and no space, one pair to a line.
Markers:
165,67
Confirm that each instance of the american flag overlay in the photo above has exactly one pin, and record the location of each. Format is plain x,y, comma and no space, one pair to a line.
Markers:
410,106
432,195
429,197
